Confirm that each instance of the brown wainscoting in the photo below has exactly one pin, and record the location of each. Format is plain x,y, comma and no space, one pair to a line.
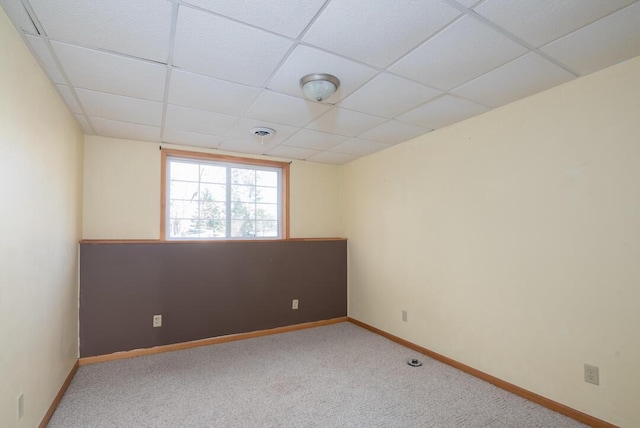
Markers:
206,342
204,290
56,401
531,396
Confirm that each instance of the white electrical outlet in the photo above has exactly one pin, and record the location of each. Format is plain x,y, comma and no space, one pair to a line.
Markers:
294,304
591,374
157,320
404,316
20,406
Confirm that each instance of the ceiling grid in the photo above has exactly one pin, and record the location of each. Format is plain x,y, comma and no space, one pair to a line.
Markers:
202,73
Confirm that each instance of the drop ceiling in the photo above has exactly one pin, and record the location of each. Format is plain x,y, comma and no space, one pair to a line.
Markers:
204,72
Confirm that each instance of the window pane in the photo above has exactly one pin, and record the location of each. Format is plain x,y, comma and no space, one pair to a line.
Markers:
213,192
267,195
266,228
186,171
266,212
243,176
196,227
211,221
243,193
178,228
267,178
240,210
213,232
243,229
183,190
213,211
183,209
213,174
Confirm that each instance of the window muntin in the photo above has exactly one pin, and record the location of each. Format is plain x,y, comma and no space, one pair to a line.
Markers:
223,197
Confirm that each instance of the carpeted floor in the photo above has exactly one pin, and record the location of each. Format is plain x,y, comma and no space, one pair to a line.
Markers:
335,376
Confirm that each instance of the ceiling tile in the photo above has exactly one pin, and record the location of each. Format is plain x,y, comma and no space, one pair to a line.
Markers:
115,74
613,39
331,158
84,124
305,60
39,47
469,3
308,139
242,128
359,147
126,130
461,52
217,47
18,15
539,22
442,112
345,122
118,107
520,78
355,29
206,93
289,152
187,138
278,108
69,99
393,132
281,16
203,122
245,145
139,28
388,96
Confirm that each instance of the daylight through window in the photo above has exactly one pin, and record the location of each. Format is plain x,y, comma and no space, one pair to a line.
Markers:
223,197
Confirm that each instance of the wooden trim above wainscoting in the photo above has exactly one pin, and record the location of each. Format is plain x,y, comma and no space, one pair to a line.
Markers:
199,241
205,342
54,404
531,396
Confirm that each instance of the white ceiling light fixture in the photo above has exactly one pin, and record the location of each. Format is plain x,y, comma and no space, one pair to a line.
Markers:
262,133
319,86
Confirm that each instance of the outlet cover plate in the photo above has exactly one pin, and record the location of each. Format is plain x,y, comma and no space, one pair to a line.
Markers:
591,374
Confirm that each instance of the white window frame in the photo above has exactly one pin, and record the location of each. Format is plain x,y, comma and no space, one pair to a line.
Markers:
227,161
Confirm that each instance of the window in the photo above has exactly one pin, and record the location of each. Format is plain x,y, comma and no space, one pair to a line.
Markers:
223,197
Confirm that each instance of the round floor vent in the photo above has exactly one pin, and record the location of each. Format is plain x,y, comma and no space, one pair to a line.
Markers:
413,362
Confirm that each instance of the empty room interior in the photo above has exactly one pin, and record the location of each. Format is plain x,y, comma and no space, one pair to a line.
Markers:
459,177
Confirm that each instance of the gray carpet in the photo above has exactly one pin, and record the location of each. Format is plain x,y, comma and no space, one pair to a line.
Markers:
335,376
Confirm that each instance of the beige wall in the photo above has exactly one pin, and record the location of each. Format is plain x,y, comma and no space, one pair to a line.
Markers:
513,241
41,176
316,210
122,192
121,189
